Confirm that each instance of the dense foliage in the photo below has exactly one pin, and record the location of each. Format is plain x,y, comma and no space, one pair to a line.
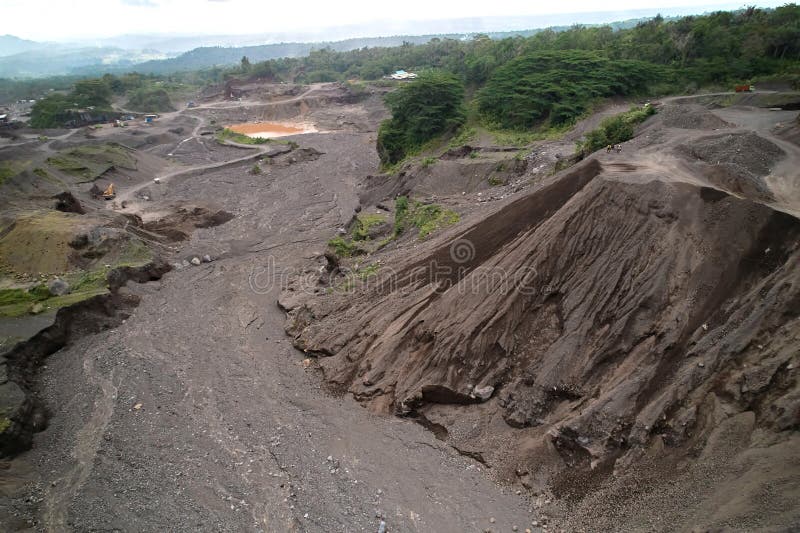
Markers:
146,93
421,110
558,86
150,100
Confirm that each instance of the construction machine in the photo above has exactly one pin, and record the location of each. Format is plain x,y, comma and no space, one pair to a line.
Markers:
109,193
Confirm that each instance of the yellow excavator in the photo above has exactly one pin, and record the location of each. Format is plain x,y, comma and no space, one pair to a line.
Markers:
109,193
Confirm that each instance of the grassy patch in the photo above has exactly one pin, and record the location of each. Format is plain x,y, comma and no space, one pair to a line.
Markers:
136,253
524,138
88,281
19,296
240,138
427,218
5,422
367,271
465,135
344,247
428,161
9,169
92,161
19,302
39,242
364,223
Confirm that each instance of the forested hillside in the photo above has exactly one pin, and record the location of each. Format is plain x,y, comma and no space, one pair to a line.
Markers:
696,51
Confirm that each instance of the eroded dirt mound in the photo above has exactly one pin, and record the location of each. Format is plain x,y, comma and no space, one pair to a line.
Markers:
567,335
38,241
178,225
690,117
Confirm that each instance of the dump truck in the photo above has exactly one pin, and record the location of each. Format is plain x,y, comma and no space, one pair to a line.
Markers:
109,193
744,88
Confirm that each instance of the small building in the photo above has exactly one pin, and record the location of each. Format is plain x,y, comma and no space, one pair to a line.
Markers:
150,118
403,75
4,118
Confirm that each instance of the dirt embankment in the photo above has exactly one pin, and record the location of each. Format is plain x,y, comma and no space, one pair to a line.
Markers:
24,414
594,330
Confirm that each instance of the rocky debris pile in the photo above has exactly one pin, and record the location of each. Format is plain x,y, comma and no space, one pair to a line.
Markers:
177,226
747,153
67,203
738,162
690,117
194,260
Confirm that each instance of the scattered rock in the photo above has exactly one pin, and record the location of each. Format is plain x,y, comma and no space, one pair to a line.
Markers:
195,261
207,258
483,393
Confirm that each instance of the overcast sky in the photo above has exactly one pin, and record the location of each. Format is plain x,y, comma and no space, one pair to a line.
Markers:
50,20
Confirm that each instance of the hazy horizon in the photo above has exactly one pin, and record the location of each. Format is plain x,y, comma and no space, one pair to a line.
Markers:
176,19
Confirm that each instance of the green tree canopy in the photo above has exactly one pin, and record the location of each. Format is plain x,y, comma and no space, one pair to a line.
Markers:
421,110
557,86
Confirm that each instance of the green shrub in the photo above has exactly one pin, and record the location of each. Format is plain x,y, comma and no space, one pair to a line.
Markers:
425,217
463,137
344,247
428,161
364,223
400,213
614,130
150,100
240,138
421,110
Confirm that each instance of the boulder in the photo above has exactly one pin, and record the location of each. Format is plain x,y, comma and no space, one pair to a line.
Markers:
483,393
58,287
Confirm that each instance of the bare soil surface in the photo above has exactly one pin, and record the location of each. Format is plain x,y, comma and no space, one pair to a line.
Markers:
646,382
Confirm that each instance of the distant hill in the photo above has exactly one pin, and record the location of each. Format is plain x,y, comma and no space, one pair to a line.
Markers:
210,56
55,61
206,57
155,54
10,45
